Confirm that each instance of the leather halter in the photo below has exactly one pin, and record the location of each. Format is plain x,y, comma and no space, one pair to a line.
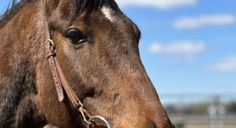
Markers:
60,81
62,84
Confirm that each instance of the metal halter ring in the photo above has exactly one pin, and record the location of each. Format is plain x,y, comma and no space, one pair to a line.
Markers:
94,118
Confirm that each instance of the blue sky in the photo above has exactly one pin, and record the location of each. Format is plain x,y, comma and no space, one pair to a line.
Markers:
187,45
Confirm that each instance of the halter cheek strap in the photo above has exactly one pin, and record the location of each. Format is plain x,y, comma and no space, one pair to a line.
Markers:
56,78
59,78
60,81
62,85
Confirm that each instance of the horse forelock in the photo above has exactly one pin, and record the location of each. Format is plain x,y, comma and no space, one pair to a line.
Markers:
94,4
81,5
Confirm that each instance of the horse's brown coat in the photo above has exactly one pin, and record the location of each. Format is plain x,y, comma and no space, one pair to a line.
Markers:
106,71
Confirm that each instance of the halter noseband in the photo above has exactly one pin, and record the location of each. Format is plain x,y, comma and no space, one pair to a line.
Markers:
62,84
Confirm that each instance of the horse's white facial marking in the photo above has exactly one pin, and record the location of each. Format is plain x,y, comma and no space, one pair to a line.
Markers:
108,13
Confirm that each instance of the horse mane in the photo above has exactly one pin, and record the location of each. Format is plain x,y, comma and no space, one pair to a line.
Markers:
81,5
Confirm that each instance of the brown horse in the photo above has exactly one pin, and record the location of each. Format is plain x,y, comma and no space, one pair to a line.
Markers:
97,48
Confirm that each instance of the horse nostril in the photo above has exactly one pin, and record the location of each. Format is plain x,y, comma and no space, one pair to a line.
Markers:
150,125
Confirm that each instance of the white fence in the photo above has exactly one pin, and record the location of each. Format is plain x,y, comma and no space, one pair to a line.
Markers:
201,110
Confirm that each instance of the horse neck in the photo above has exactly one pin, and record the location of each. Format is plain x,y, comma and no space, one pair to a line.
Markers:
20,36
20,46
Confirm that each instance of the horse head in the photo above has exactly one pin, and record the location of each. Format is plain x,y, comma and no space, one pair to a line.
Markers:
97,48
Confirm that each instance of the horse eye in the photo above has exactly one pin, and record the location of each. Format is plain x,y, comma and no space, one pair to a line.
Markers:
75,36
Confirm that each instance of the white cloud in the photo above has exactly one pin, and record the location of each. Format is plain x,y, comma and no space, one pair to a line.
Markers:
227,65
188,48
205,20
160,4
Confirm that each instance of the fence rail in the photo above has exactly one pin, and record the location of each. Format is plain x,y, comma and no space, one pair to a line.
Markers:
201,110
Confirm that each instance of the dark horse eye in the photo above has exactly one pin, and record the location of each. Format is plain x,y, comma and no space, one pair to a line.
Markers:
75,36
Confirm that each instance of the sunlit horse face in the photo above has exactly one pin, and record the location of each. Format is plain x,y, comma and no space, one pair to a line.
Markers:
97,47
